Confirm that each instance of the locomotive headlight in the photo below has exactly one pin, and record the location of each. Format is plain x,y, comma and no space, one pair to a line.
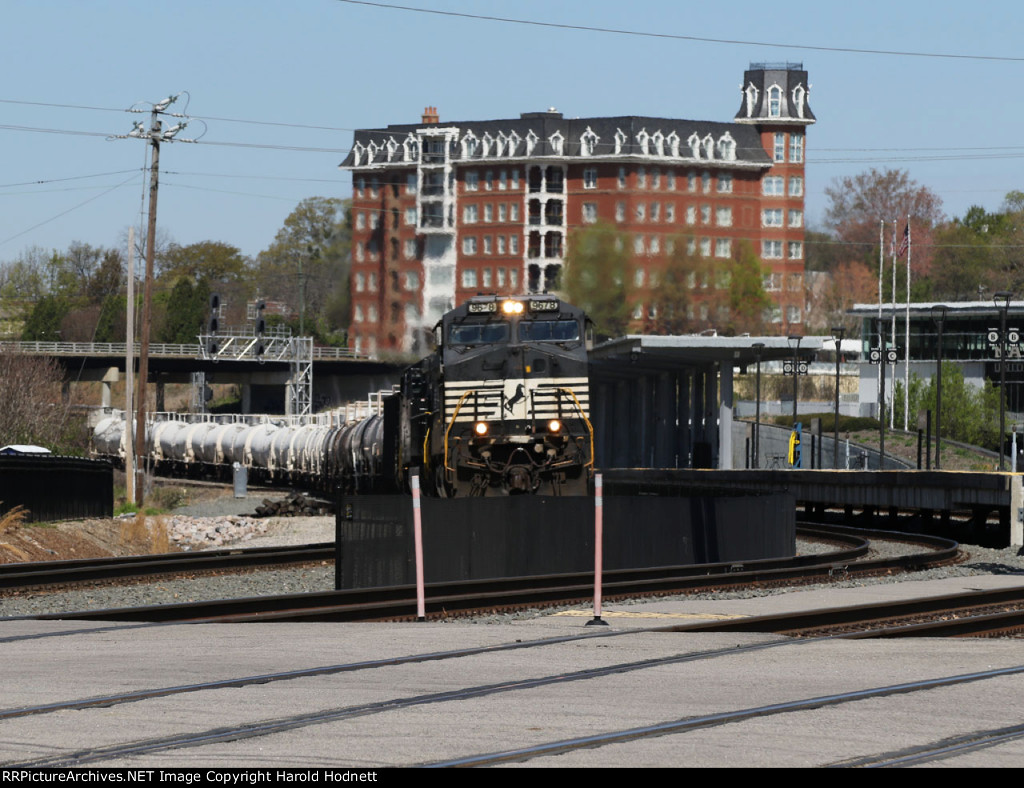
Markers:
480,428
554,425
512,307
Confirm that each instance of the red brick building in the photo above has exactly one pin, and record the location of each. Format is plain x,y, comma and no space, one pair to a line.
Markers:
442,211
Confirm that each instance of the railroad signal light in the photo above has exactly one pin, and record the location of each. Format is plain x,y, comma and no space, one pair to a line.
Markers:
214,313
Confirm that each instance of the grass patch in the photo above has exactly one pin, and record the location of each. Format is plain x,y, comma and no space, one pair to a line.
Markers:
13,519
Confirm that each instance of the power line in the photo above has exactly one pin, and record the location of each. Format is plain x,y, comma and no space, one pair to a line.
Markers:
677,37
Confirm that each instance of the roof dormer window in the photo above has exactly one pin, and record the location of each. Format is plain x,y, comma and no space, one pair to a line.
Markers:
392,147
774,102
673,144
470,145
486,144
799,94
357,154
709,147
644,139
557,143
620,140
410,148
659,143
727,147
694,143
531,142
513,143
751,94
588,142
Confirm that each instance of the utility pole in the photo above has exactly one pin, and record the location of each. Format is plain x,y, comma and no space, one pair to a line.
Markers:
155,135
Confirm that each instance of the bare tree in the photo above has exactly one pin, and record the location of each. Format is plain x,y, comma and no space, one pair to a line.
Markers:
30,389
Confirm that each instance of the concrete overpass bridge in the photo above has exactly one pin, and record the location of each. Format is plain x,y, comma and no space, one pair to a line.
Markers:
267,380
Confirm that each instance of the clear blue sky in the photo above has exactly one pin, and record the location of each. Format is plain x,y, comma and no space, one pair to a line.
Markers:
954,123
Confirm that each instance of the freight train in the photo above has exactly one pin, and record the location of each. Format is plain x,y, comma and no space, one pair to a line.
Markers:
501,407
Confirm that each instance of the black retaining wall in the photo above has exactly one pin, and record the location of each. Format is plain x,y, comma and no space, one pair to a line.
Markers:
56,488
477,538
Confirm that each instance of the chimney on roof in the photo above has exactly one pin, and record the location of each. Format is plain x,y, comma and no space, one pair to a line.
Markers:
430,115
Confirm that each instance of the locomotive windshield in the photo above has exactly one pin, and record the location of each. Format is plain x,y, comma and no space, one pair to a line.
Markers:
549,331
478,333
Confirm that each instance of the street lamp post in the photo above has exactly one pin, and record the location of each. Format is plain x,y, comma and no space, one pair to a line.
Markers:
1002,303
837,332
758,347
938,315
794,342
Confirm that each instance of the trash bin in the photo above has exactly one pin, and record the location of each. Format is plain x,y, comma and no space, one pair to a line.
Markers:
241,477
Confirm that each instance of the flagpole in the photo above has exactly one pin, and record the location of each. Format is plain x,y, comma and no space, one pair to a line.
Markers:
906,351
892,410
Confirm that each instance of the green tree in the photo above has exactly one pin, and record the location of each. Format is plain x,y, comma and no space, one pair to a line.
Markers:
43,323
673,298
186,312
307,265
210,260
596,277
969,414
747,298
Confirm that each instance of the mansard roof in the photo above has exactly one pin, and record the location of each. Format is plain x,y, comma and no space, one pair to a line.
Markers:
617,137
756,106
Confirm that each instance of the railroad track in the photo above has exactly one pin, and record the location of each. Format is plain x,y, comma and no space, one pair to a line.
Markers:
50,574
444,600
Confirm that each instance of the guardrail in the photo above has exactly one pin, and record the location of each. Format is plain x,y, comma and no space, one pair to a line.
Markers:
155,349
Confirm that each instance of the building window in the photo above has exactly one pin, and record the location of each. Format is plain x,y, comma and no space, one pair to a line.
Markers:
638,244
723,217
590,212
485,277
470,214
371,314
705,214
773,186
771,217
705,247
620,211
691,181
670,212
374,220
771,250
691,214
513,247
641,177
796,148
654,245
410,249
691,247
793,314
622,177
472,181
489,180
641,211
638,277
774,101
514,179
655,178
371,283
501,244
796,218
469,277
705,181
670,180
488,245
469,245
514,212
359,313
410,217
725,183
723,247
502,212
795,283
488,213
360,282
590,178
780,147
655,211
360,221
501,277
796,250
796,187
361,187
411,281
502,180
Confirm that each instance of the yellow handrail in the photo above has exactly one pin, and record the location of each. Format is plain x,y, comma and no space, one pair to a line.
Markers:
590,428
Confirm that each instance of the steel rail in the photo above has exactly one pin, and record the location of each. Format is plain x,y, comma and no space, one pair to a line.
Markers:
463,597
50,573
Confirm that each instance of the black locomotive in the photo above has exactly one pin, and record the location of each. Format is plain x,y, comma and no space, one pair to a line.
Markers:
501,407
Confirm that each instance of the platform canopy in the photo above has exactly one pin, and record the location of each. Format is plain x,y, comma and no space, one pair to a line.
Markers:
669,352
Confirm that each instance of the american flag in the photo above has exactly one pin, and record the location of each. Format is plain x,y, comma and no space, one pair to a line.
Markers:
905,244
